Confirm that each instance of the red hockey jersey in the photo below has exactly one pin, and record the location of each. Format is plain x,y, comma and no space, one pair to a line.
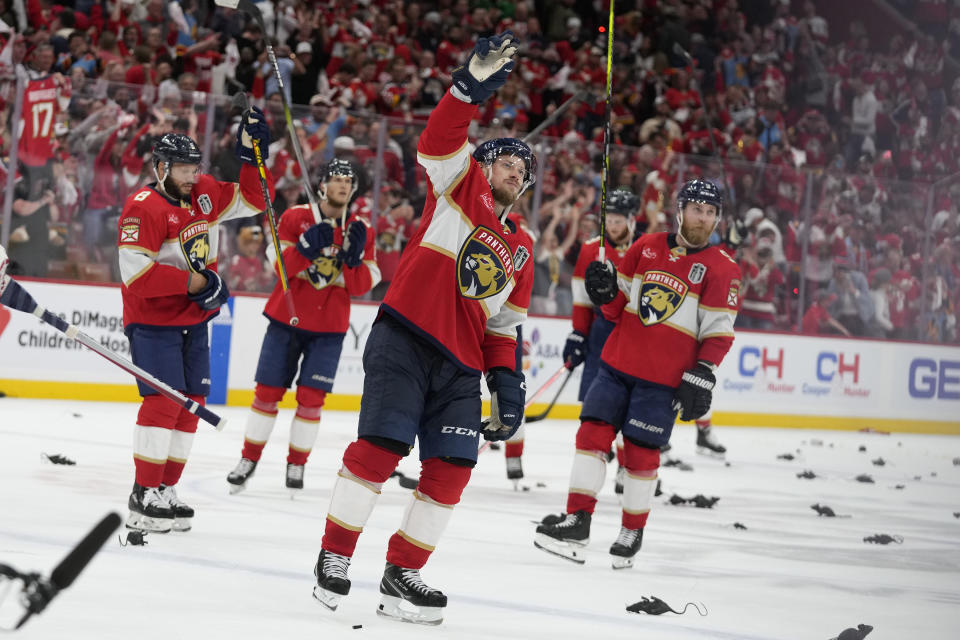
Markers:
675,307
321,288
583,309
464,281
162,242
43,99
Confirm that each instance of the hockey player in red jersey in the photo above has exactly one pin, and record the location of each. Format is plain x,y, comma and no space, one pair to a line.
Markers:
462,287
327,264
673,299
171,290
589,334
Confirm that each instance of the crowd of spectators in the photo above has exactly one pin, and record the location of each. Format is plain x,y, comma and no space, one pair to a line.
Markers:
825,139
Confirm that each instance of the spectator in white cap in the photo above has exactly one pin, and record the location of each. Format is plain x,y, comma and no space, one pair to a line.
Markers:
305,76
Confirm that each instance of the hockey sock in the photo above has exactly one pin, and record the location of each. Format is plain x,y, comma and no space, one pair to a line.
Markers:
639,483
514,448
589,465
263,416
305,425
365,468
151,439
427,514
181,441
620,449
704,421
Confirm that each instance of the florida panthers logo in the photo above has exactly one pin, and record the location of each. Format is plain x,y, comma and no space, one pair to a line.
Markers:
324,271
660,296
195,242
484,266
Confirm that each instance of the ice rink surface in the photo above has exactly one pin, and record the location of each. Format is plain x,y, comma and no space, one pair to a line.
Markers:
245,571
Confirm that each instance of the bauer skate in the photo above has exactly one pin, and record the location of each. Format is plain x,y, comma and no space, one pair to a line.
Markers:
148,510
708,445
240,474
332,582
567,538
182,512
625,547
406,597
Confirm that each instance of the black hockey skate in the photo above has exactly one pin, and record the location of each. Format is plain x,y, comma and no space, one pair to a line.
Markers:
407,597
240,474
332,581
567,538
625,547
515,471
294,477
552,518
708,445
148,510
182,512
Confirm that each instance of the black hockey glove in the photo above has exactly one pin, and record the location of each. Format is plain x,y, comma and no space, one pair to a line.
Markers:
354,244
213,294
508,391
601,282
253,126
693,396
486,69
575,350
314,240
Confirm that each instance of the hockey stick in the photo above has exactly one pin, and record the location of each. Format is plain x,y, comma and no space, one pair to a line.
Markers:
249,7
559,111
546,412
37,591
240,100
607,134
16,297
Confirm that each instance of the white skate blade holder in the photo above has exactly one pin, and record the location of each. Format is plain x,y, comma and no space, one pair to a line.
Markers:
237,488
574,551
139,522
182,525
400,609
710,453
329,599
619,562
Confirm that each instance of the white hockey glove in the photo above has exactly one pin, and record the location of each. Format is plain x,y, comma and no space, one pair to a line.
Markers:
486,69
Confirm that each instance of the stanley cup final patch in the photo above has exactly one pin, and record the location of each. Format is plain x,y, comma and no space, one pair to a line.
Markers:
484,266
206,206
697,271
520,258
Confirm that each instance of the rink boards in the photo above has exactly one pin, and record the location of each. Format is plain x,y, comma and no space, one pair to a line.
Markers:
767,379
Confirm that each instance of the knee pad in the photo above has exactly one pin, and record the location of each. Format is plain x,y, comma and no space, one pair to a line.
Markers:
266,395
638,457
157,411
309,398
595,436
442,480
370,462
186,421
